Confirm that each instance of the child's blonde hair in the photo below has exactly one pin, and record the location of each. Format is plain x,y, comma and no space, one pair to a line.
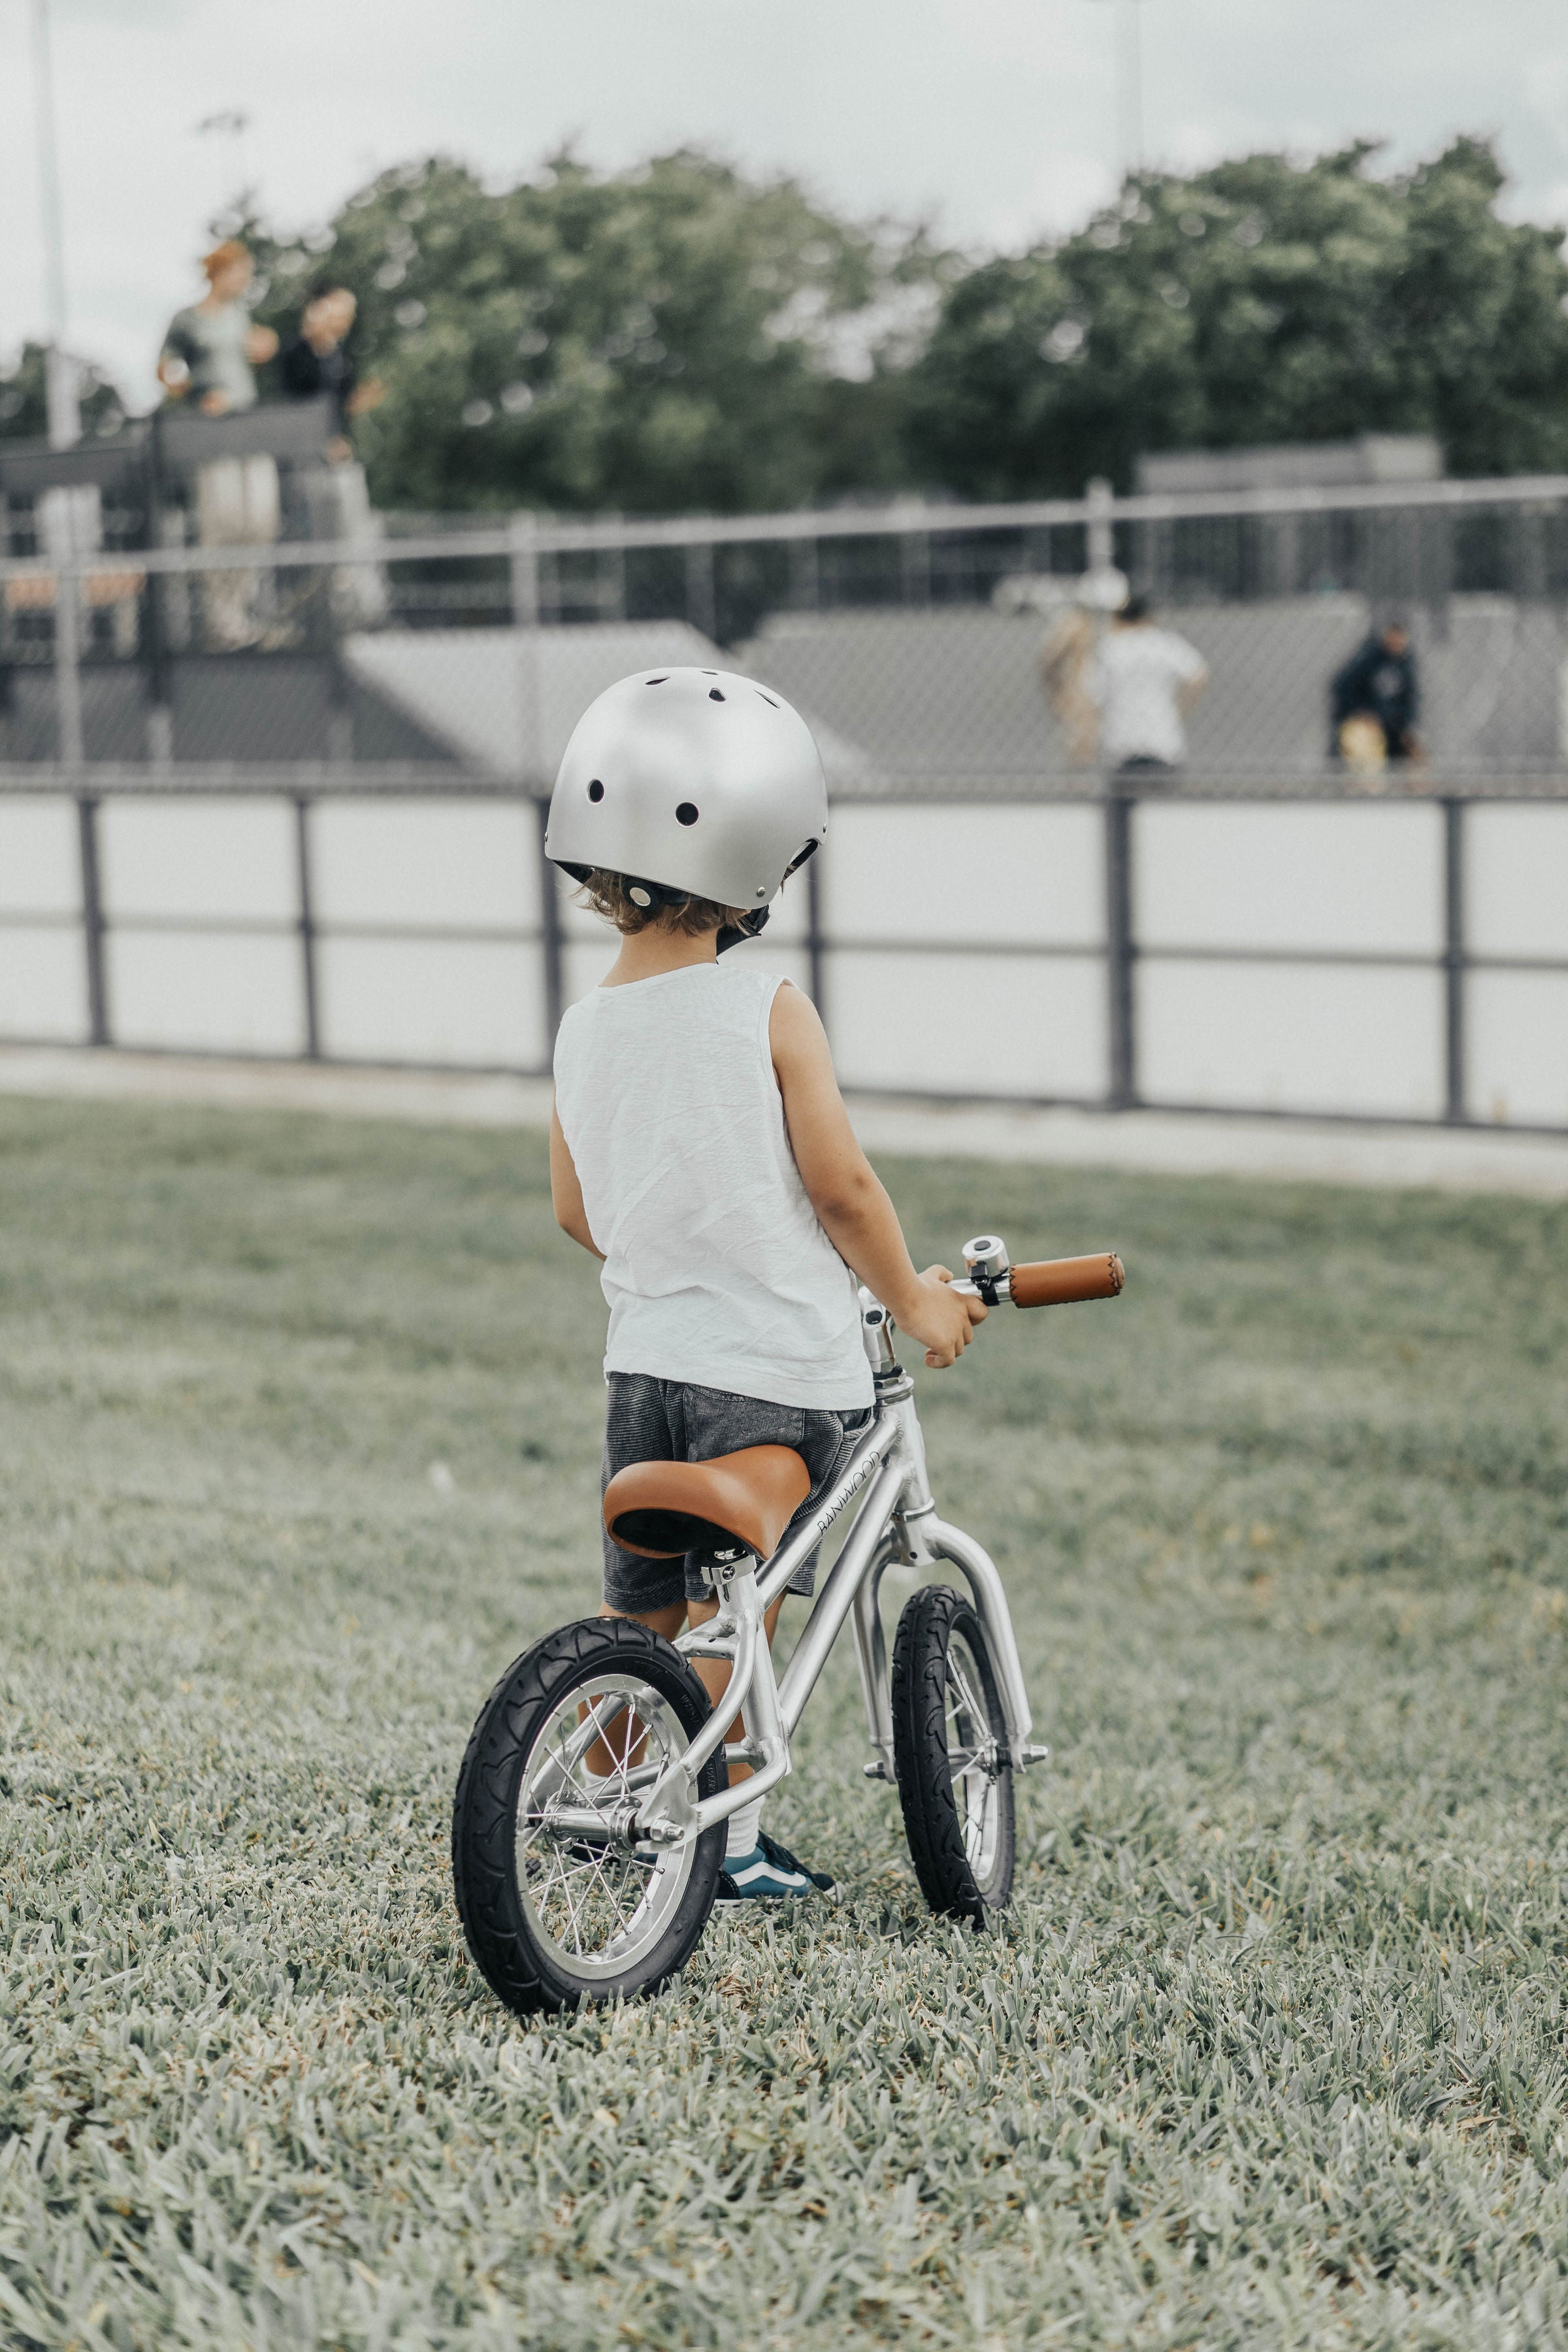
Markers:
610,895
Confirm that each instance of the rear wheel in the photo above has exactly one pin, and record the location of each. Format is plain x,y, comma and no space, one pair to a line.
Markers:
950,1757
558,1901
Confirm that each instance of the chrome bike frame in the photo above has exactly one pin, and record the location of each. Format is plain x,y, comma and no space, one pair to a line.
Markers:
896,1521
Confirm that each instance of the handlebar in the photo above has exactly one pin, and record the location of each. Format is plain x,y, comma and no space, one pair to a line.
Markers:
1049,1282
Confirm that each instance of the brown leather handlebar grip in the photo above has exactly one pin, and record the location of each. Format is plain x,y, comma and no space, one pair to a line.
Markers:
1058,1281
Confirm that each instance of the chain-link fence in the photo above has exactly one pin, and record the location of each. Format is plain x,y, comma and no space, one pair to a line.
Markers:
933,648
283,795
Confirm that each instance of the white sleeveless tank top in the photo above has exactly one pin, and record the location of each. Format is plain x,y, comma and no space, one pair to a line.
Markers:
716,1268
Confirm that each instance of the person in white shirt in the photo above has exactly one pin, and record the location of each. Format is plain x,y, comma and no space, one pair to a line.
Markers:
1143,682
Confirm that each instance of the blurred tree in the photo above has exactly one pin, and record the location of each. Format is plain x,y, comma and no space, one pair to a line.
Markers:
24,404
673,337
1262,300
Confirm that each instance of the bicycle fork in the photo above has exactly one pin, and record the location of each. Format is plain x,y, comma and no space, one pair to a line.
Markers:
917,1538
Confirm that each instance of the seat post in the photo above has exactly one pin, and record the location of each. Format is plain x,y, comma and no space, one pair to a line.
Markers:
722,1570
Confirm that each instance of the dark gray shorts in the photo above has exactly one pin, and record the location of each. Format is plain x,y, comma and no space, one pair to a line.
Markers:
674,1421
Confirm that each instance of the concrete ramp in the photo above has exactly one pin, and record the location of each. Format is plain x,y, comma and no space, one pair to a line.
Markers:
506,701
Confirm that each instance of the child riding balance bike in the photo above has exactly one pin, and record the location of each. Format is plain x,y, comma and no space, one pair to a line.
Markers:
756,1272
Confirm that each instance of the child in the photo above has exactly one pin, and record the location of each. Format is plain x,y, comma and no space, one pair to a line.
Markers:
699,1146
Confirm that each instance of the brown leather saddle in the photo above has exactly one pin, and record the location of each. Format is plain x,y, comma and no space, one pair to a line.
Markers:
660,1509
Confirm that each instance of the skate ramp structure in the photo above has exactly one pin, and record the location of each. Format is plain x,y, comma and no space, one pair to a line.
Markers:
504,701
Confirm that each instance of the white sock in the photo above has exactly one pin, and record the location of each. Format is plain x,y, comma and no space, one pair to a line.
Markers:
744,1823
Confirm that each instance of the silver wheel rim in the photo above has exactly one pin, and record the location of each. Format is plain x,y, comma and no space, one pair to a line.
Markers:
596,1907
973,1760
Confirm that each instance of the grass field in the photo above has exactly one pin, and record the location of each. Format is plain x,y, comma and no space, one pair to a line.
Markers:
300,1424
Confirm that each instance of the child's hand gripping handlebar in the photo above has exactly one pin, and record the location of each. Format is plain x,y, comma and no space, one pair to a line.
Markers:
1050,1282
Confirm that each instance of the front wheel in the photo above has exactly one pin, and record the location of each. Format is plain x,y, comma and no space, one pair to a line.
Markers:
558,1900
951,1757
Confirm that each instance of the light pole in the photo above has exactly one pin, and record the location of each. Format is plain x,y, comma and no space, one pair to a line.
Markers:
1129,35
61,383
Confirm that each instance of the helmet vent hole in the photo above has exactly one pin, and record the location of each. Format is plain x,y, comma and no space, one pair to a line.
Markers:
767,698
658,681
596,790
714,695
687,813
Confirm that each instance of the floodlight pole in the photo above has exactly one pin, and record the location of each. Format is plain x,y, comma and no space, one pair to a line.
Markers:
1130,84
60,374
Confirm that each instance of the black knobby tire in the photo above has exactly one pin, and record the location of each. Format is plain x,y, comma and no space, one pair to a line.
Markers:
516,1956
960,1828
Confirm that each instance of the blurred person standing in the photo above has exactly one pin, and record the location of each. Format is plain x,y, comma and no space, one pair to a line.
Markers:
208,356
1066,656
317,360
1143,681
1377,690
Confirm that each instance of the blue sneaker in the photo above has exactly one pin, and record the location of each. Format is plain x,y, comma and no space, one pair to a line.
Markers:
770,1869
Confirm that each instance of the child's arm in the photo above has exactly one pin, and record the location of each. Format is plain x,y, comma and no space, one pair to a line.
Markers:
566,1191
844,1188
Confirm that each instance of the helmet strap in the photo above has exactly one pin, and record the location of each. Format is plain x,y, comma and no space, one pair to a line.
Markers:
746,928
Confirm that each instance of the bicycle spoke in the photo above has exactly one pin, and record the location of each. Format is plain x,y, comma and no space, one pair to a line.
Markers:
599,1904
972,1705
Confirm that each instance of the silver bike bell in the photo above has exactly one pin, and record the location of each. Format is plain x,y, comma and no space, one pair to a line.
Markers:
985,1257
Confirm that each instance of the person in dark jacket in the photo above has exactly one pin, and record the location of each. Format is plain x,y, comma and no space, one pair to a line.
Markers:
318,360
1379,683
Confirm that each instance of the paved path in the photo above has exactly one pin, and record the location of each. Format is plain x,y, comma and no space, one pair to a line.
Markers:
1467,1160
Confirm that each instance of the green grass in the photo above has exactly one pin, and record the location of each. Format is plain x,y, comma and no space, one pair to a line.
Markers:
1270,2051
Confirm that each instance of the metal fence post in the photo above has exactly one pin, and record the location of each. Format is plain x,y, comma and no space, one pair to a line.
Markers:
552,942
1120,952
154,635
702,608
1100,517
92,921
522,563
307,929
60,519
1454,961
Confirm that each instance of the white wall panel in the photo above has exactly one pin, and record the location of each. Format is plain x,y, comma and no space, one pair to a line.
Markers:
1307,1037
468,1003
1318,875
199,858
216,991
40,858
991,1025
1517,1046
42,983
461,865
989,870
1516,877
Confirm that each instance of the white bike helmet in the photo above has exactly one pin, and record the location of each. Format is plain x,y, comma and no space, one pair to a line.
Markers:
690,783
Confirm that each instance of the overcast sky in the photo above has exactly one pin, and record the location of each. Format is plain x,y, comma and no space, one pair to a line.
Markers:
996,117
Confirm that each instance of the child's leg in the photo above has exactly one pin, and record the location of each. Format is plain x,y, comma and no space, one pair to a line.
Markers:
712,1673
